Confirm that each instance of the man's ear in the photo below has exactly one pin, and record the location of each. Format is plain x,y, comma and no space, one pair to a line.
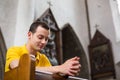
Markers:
29,34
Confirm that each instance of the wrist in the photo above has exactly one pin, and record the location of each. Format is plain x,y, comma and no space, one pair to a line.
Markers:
58,69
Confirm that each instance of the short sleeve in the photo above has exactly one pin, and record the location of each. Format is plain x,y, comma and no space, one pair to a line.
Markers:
12,54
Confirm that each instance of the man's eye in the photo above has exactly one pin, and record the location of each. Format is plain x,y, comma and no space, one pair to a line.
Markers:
46,39
40,37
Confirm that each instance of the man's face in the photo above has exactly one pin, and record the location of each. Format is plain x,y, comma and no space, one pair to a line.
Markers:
39,39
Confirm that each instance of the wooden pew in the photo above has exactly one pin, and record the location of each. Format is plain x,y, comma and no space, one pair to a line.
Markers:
26,71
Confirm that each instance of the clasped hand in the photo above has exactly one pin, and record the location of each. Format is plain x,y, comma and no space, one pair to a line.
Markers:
71,67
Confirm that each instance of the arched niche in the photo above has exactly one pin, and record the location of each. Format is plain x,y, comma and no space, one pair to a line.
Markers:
101,57
53,48
72,47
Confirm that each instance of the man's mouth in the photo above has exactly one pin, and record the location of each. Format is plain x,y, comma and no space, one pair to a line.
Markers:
41,46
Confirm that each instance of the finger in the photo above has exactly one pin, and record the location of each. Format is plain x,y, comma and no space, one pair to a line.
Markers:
75,63
75,67
74,72
78,58
74,58
71,74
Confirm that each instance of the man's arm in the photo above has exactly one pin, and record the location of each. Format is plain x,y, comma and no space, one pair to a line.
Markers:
70,67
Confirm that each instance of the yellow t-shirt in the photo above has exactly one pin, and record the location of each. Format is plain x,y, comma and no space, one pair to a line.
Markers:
14,53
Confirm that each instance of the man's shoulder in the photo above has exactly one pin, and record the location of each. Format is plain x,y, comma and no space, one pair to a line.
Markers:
15,47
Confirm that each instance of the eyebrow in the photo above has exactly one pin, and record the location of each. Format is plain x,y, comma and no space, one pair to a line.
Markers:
43,36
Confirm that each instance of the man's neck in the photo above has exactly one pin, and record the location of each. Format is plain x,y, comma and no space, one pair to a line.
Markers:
30,49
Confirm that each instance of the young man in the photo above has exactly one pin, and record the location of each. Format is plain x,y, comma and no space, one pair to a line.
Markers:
37,39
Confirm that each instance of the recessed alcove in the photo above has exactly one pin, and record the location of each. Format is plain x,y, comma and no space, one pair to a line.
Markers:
71,46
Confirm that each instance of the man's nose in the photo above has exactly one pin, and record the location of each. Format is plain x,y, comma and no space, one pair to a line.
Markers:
43,41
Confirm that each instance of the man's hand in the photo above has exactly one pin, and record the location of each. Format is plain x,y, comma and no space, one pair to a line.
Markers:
14,64
70,67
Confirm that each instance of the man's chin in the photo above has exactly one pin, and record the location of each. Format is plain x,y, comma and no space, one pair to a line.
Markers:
38,49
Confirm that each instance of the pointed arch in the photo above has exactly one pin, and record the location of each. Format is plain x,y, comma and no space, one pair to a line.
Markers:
72,47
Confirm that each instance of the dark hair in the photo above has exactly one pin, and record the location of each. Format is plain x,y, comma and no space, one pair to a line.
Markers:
35,25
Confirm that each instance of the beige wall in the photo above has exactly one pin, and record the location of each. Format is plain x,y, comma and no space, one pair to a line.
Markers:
8,14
